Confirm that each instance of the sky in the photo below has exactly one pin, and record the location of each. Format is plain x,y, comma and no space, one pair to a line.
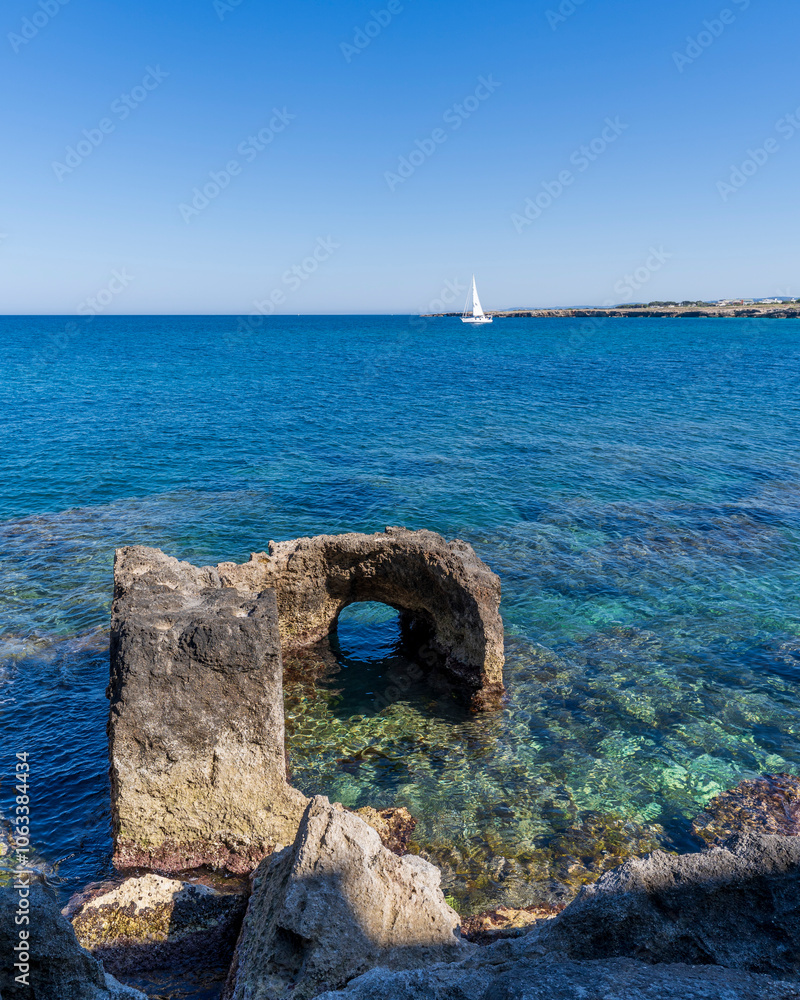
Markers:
232,156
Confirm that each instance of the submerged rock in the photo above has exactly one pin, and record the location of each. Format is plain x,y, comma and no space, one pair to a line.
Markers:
335,904
393,826
505,922
196,727
491,870
54,967
152,922
764,805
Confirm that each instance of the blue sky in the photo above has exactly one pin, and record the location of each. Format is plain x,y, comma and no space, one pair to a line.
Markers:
397,149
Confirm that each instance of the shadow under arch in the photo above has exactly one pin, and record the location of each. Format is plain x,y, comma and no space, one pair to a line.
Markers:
384,654
447,598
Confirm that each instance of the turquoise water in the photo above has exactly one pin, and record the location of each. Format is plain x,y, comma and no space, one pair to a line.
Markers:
636,484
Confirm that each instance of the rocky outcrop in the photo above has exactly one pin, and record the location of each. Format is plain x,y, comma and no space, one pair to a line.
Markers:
196,727
717,925
764,805
558,978
393,826
737,906
333,905
152,923
449,598
54,965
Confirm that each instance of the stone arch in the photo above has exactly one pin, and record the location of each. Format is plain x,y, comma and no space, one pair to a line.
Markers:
439,585
196,723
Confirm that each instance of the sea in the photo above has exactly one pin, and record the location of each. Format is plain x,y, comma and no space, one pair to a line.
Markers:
635,483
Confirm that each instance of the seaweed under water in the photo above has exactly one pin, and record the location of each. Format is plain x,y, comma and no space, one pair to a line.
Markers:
638,495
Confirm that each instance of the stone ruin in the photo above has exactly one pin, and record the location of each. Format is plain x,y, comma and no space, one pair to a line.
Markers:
196,727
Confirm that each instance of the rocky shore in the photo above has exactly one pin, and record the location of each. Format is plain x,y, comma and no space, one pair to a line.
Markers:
296,898
623,312
338,915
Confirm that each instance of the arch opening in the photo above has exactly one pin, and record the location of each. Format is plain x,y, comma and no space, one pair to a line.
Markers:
383,655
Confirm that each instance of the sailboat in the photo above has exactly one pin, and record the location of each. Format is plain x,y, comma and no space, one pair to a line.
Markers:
476,314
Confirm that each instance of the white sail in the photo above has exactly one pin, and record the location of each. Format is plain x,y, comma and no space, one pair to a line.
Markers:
476,314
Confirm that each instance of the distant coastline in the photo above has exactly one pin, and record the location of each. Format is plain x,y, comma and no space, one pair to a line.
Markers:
758,311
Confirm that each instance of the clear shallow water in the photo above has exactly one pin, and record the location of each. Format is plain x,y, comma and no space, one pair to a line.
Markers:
636,485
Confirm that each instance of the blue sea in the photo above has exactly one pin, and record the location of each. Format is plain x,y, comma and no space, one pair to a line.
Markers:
635,484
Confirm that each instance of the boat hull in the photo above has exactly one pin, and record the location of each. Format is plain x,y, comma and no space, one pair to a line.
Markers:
476,322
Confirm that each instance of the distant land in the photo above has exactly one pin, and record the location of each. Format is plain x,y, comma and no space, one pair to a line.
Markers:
777,308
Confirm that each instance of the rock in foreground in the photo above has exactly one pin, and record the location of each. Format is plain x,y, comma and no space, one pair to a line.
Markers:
738,907
764,805
335,904
557,978
152,923
720,925
196,727
57,967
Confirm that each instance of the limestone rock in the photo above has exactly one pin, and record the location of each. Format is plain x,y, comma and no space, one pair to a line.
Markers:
449,598
59,969
765,805
557,978
737,906
196,727
152,922
333,905
393,826
700,927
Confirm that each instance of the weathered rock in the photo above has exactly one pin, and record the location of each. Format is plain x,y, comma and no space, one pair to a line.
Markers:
737,906
196,727
557,978
151,923
765,805
393,826
721,925
333,905
446,593
58,968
